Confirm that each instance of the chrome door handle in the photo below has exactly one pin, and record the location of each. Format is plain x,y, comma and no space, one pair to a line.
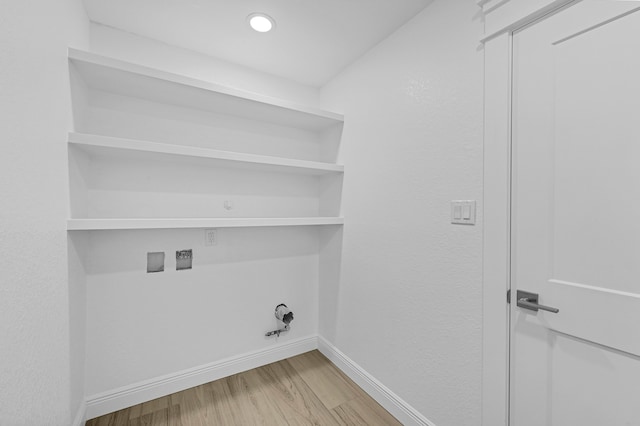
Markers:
529,301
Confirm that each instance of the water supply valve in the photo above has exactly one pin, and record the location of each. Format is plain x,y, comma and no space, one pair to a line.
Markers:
284,316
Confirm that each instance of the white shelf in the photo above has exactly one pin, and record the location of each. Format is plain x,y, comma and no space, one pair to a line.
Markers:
121,205
112,75
185,223
131,148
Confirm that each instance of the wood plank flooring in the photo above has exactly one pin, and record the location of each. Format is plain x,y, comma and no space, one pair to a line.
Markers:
304,390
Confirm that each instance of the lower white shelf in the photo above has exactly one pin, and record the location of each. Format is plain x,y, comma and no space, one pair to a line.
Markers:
184,223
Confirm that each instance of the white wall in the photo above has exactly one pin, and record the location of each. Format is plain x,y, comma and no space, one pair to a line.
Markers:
140,326
407,308
133,48
145,325
408,305
41,315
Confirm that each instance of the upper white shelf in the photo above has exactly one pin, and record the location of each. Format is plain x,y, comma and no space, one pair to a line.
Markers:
131,148
125,78
105,224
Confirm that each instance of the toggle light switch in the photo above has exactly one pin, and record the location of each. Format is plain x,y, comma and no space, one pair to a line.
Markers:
457,212
466,212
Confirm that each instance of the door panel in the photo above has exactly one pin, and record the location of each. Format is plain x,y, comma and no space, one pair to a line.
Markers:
591,385
576,217
596,314
596,184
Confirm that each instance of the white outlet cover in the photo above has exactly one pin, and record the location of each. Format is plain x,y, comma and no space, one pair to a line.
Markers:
210,237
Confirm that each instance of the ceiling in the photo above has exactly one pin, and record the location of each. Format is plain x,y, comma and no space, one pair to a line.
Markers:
313,40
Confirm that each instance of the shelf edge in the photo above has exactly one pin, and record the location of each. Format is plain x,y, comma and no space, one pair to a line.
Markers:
195,223
138,145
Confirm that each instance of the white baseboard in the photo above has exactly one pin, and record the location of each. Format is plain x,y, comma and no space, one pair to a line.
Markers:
117,399
80,415
406,414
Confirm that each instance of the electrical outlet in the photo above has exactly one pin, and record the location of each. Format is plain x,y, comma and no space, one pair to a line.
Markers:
210,237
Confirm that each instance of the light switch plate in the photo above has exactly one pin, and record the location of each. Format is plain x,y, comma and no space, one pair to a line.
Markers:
463,212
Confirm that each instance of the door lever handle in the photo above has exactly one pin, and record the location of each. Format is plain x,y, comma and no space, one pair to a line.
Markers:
529,301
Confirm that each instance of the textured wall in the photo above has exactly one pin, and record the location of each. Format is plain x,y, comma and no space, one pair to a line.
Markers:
408,305
130,47
39,385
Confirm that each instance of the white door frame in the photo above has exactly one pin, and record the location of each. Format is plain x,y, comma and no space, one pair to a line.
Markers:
502,19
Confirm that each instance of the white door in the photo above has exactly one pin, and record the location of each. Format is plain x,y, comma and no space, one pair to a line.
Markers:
576,217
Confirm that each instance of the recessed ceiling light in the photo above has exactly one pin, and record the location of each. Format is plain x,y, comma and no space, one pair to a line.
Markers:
261,22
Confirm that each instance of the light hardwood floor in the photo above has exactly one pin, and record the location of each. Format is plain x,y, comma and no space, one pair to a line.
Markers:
304,390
